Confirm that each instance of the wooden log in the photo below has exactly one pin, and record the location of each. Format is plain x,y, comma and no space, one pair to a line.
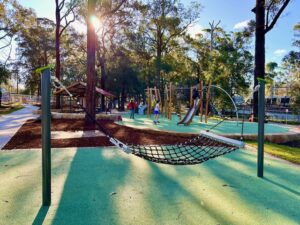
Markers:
160,102
166,101
201,100
170,103
207,101
191,97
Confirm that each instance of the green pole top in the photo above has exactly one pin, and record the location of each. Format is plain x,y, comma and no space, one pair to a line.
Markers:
42,69
262,80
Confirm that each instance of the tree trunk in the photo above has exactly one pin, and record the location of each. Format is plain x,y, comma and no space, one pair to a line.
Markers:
158,57
102,80
17,83
119,103
123,98
158,67
259,70
91,72
57,51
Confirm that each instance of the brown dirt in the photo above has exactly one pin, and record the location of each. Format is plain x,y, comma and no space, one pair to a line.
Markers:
29,135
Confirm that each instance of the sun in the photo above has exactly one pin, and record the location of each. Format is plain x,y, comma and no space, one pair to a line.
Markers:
96,22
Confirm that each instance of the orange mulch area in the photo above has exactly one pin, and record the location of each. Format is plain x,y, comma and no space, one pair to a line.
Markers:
29,135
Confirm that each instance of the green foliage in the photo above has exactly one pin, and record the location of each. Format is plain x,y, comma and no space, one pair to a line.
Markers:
135,43
291,65
229,64
4,74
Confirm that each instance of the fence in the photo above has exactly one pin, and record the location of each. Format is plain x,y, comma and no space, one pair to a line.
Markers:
18,98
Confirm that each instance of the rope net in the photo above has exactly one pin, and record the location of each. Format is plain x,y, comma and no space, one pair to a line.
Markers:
196,150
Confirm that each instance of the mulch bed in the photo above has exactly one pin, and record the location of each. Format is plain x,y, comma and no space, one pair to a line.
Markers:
29,135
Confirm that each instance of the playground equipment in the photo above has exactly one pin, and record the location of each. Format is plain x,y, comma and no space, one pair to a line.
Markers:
196,150
198,103
190,114
173,102
153,95
195,105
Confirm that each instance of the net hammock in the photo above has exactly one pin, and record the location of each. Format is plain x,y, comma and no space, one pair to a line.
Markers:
196,150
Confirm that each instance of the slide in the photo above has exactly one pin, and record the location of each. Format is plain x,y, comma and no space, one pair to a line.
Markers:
190,114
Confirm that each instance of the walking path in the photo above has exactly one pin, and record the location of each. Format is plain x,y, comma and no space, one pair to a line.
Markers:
10,124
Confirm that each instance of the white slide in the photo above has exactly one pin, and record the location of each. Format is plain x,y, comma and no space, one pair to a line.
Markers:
190,114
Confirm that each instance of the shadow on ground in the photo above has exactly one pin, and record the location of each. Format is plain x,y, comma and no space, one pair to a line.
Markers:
106,186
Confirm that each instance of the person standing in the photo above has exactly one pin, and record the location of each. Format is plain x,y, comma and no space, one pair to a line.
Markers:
131,107
156,112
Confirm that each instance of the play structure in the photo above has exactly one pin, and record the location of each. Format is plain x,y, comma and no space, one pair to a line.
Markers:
201,148
175,99
152,95
196,104
196,150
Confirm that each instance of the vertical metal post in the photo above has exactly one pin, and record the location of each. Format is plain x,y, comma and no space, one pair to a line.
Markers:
261,128
46,138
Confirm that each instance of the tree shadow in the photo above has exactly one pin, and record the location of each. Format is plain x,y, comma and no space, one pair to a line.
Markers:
90,188
168,199
253,190
275,168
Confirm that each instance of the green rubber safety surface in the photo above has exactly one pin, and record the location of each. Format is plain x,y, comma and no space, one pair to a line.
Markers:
226,127
107,186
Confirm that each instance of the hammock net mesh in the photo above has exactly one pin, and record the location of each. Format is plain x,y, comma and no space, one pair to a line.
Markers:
194,151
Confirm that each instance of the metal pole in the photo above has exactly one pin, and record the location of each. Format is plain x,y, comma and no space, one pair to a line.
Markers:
46,138
261,128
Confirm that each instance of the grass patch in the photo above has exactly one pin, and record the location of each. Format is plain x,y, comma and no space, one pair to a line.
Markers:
9,109
291,154
284,122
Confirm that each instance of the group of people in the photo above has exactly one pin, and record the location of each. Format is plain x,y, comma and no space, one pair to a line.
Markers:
132,106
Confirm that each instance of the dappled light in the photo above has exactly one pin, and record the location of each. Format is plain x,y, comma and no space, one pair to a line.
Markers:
89,187
149,112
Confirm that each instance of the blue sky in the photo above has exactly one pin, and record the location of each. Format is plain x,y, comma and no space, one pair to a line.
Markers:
231,13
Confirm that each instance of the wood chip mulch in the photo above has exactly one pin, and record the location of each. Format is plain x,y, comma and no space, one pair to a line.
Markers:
29,135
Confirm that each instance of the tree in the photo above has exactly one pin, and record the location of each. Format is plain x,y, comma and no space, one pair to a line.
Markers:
164,21
227,61
112,26
4,76
64,9
267,13
291,64
35,49
91,72
13,17
271,73
91,50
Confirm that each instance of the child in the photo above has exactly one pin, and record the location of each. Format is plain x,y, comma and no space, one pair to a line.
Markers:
251,118
195,95
156,112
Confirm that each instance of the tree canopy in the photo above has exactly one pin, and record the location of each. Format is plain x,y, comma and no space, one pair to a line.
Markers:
136,44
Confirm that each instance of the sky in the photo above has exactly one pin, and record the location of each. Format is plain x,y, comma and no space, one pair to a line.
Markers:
233,15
